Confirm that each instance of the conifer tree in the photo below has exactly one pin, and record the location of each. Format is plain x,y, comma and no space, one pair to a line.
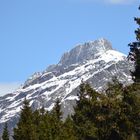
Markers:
83,119
36,122
113,115
114,88
56,121
5,135
118,122
134,54
68,130
45,126
120,108
57,110
25,129
132,102
134,90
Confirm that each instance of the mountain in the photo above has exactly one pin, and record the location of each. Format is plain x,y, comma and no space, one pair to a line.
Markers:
95,62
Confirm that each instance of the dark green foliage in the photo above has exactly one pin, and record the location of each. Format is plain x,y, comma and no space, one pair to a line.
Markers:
56,112
68,130
109,116
25,129
55,120
84,126
134,54
118,110
5,135
132,100
112,115
44,127
121,112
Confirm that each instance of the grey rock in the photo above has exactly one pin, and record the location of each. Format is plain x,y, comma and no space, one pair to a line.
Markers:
95,62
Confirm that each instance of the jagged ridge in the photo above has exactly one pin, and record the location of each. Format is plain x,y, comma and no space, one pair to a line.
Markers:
95,62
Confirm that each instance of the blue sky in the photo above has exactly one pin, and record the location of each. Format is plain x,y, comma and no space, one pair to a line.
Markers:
35,33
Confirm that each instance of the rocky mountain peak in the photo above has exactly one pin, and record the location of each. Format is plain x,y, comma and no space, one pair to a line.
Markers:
87,51
78,55
94,62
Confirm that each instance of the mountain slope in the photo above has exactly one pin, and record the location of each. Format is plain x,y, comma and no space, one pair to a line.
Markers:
95,62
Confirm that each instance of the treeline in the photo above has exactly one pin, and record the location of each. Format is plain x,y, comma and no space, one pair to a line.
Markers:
113,115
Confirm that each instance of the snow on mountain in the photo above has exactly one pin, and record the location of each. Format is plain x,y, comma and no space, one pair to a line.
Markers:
95,62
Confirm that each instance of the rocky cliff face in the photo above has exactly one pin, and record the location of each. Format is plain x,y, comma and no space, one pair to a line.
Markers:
95,62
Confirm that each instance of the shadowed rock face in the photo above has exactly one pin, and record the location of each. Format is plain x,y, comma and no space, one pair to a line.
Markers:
95,62
87,51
